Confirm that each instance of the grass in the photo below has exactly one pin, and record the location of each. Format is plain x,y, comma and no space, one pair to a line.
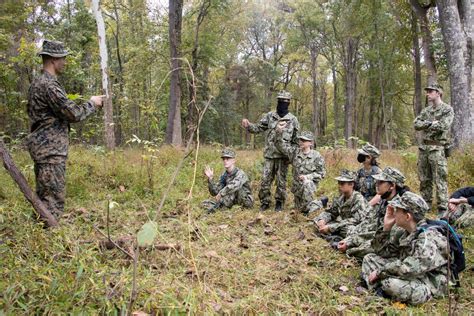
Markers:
232,262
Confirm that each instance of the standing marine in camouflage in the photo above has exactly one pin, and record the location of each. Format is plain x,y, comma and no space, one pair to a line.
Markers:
50,113
347,210
308,168
233,187
434,122
276,163
409,265
367,156
389,185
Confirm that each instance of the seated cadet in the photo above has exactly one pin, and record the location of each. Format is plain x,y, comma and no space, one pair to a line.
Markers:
233,186
389,184
308,168
409,264
365,182
461,207
346,211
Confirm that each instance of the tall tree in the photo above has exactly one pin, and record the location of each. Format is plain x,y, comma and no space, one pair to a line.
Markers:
173,129
456,26
106,87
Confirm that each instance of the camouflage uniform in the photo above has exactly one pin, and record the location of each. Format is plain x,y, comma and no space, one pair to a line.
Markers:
365,181
434,122
311,165
343,214
276,163
50,112
412,267
463,216
359,238
234,188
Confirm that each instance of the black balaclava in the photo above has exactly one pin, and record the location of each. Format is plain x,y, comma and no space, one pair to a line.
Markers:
282,107
361,158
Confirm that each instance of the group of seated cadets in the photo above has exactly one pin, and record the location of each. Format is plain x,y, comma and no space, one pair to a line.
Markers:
380,228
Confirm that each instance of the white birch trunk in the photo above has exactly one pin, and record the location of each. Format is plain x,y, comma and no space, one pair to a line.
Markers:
108,108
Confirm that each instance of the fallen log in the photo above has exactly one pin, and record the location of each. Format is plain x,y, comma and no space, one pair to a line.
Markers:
29,194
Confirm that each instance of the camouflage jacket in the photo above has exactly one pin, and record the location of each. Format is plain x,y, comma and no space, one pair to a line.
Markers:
50,113
368,227
418,255
344,213
230,183
310,165
268,124
433,131
366,183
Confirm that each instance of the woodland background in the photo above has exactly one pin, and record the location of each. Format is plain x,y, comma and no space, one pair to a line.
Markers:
356,68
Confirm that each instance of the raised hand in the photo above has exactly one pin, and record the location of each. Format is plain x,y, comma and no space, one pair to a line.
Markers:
209,172
245,123
389,218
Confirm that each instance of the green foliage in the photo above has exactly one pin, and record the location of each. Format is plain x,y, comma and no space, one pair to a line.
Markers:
233,261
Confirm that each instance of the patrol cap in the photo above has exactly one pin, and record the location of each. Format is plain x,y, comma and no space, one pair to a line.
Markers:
369,150
435,86
227,153
306,135
347,176
284,95
410,202
391,175
53,49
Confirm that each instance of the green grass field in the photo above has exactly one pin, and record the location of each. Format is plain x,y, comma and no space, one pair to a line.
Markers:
231,262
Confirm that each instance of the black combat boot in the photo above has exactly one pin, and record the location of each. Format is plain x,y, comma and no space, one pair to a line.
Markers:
264,207
278,206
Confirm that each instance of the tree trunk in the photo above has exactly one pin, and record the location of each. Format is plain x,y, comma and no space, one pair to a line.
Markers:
173,128
458,46
350,63
20,180
334,103
314,94
422,14
108,108
118,126
417,100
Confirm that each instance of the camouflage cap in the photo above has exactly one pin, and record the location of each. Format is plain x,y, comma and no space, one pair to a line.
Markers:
369,150
391,175
53,49
227,153
347,176
435,86
410,202
306,135
284,95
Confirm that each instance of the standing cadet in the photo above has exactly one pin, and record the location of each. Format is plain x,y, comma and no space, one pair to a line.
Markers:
233,187
365,181
50,112
308,168
276,163
409,264
434,122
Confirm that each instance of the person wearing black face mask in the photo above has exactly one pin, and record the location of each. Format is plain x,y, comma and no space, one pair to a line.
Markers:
276,163
390,183
367,156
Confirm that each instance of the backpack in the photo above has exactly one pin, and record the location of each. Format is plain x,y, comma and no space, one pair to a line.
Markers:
456,256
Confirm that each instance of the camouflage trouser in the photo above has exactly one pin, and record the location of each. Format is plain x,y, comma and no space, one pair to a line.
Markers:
361,250
51,186
410,291
462,217
237,198
273,167
433,168
304,196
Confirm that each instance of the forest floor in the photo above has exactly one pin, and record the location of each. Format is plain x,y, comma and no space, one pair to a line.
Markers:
232,262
